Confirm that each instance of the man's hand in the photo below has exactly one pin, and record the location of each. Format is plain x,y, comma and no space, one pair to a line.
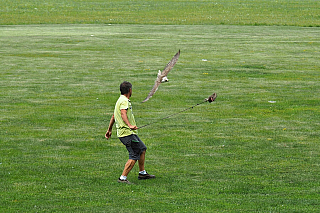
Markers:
133,127
108,134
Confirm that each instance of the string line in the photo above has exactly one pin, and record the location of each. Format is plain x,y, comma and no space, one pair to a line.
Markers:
172,115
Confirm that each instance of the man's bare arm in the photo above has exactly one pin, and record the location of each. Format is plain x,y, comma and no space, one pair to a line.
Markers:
109,131
126,120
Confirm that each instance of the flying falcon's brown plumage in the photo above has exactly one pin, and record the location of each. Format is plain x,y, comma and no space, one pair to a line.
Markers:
162,76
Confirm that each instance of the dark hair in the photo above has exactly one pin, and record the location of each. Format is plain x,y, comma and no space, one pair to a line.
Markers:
125,87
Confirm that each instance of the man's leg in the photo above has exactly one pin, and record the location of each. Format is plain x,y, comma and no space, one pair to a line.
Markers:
127,168
141,161
143,174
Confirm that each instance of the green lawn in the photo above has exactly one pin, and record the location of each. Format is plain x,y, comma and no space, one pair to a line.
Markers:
255,149
225,12
59,84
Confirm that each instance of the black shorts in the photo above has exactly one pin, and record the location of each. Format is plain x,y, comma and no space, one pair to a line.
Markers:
134,146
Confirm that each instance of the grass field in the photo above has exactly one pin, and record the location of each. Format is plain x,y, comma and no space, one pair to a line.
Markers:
226,12
256,149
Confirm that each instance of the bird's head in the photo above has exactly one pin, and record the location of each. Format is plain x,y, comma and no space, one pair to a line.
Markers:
164,79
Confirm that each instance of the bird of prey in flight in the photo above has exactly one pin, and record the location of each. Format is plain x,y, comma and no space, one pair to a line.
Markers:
162,76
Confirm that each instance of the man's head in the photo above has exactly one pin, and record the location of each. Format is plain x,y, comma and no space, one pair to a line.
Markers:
125,88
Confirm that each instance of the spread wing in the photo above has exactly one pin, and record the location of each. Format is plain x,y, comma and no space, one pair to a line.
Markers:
164,73
153,90
170,64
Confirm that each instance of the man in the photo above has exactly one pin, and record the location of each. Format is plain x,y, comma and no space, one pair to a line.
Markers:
127,133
